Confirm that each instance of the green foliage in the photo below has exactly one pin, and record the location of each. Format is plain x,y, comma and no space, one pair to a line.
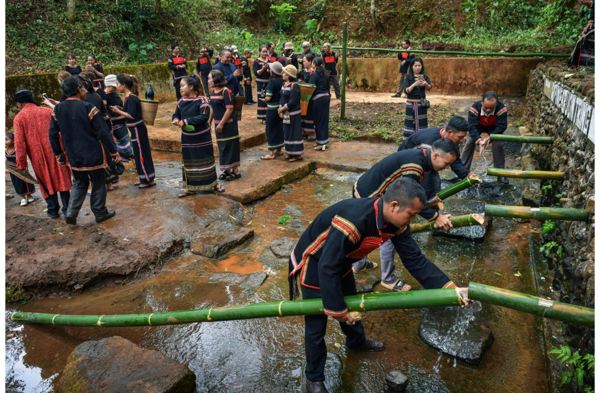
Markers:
317,10
548,226
283,17
16,294
311,29
283,219
581,365
546,188
547,248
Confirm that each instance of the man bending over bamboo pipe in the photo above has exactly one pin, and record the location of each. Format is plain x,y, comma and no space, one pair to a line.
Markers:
323,257
456,130
412,163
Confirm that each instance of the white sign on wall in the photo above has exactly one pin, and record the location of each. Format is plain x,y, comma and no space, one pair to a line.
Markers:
577,110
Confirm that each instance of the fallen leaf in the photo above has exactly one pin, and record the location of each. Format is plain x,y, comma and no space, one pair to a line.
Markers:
518,274
249,223
498,274
337,345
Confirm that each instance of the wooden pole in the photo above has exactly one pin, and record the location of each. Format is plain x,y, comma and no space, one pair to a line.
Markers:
546,175
344,73
364,302
458,221
521,139
577,315
538,213
453,52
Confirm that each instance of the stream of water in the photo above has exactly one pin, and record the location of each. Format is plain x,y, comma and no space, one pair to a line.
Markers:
267,355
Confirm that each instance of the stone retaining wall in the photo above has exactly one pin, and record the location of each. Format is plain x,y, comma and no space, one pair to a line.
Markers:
561,104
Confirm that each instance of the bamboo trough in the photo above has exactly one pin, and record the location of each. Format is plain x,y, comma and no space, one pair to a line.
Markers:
457,222
366,302
516,173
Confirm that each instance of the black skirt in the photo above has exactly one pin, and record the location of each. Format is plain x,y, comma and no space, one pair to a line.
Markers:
274,125
142,153
229,146
321,116
292,133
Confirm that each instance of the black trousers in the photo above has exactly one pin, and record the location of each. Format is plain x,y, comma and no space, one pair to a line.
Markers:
177,85
52,200
248,95
315,327
79,191
205,85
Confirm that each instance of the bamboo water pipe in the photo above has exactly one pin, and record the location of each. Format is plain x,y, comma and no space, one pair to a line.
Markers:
516,173
366,302
538,213
521,139
458,221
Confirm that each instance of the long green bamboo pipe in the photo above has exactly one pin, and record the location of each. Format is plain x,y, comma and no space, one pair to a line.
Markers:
457,187
533,305
546,175
538,213
365,302
453,52
458,221
522,139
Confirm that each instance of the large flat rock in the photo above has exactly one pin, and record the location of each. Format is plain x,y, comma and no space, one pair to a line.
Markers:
457,332
116,365
246,281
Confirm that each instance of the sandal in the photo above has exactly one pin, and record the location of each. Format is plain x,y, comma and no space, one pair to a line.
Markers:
368,266
226,175
268,157
146,186
137,183
218,188
295,159
399,286
321,147
184,194
234,176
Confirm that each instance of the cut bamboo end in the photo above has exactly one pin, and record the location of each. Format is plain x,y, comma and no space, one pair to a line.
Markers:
479,218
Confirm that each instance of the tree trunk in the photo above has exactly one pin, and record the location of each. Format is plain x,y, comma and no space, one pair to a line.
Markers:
71,10
373,12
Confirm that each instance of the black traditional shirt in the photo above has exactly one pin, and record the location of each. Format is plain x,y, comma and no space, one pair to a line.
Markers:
72,70
330,62
133,107
83,133
346,232
411,163
274,91
417,92
246,71
96,99
290,99
113,99
424,139
257,66
219,103
98,81
322,83
406,57
174,61
203,64
479,122
194,111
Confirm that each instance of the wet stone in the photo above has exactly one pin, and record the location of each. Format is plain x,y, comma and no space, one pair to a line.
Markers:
245,281
421,381
293,210
475,233
218,238
297,225
271,261
282,247
366,280
457,332
115,364
396,381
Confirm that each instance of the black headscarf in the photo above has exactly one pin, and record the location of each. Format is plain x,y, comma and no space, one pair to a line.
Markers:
25,97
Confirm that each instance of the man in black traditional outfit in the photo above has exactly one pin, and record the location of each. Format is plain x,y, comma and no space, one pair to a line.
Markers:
488,116
178,66
323,257
78,126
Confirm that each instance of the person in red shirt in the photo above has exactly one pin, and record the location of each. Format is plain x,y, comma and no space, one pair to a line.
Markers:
405,59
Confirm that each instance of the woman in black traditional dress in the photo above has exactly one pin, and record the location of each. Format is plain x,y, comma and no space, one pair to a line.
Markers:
321,99
132,111
289,110
274,123
119,129
72,67
260,67
308,124
226,126
197,154
415,85
96,69
22,188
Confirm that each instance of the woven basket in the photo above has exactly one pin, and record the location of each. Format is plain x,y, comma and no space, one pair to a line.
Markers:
306,91
149,109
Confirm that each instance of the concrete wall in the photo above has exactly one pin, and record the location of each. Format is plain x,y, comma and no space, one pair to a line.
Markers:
453,75
561,104
456,76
